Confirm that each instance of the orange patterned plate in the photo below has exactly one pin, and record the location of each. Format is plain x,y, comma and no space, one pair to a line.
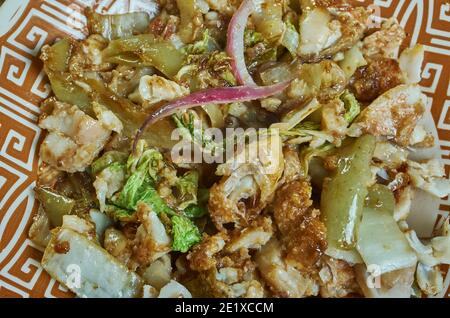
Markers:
26,25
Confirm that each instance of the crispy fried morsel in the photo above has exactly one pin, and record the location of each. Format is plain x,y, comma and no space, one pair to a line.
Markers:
394,114
385,42
202,256
249,181
223,274
219,284
302,231
151,241
252,237
337,279
283,279
376,78
75,139
292,202
333,121
306,244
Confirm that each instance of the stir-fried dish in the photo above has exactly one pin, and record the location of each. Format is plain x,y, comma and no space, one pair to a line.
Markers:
227,148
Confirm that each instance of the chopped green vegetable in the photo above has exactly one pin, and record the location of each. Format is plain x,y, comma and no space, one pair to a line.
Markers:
55,205
251,38
187,187
308,153
135,191
343,195
140,185
194,211
56,65
147,160
308,125
205,45
203,195
67,91
190,18
352,107
210,69
107,159
269,54
185,234
191,130
257,49
142,169
145,50
57,56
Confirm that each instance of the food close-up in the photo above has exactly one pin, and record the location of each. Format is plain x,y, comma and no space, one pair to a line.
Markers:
228,149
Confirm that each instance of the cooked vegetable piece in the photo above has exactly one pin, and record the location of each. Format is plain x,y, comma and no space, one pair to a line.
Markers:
187,187
308,153
290,38
205,70
55,205
185,234
210,96
145,50
194,211
206,44
68,92
131,115
343,195
58,55
352,107
191,20
87,269
380,241
107,159
269,19
116,26
56,63
143,169
101,221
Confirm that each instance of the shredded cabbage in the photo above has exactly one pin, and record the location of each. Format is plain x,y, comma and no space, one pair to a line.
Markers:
185,234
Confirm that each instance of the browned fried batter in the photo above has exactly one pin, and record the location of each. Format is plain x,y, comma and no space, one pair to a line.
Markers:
202,256
304,235
292,202
376,78
337,279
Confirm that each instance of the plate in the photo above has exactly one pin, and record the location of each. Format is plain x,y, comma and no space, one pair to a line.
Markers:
27,25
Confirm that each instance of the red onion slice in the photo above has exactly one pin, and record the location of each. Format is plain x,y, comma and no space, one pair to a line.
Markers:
224,95
235,42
